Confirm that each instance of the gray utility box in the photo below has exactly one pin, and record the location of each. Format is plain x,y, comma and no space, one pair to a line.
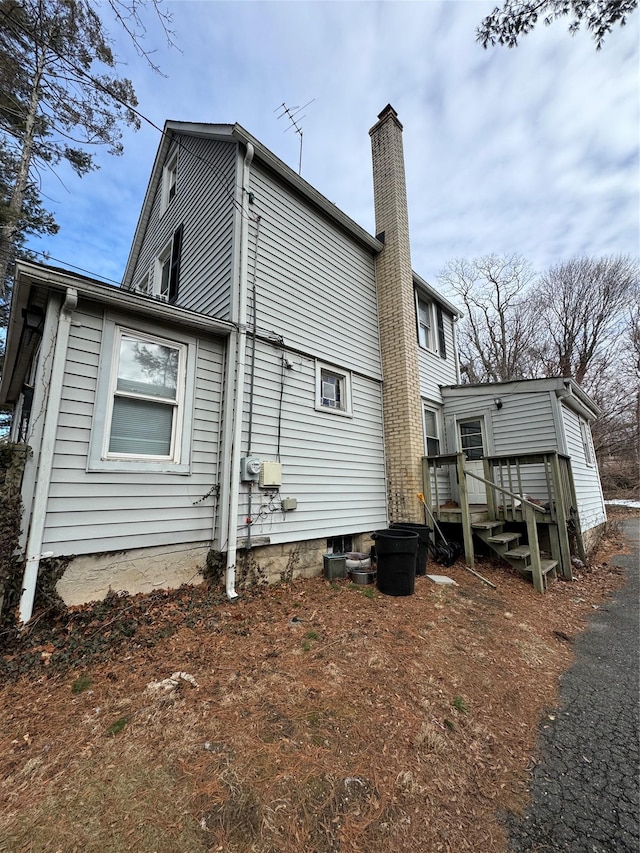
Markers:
335,566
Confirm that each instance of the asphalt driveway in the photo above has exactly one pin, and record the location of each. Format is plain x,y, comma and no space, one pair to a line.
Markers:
586,787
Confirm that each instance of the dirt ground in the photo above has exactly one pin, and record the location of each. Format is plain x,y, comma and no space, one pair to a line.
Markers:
308,716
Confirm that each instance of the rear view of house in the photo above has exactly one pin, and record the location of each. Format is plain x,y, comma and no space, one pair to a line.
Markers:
270,381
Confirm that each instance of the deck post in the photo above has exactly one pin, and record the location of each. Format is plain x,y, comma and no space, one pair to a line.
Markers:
534,548
561,518
467,533
582,552
491,497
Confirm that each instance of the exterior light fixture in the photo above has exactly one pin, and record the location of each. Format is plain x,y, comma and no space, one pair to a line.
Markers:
498,402
33,317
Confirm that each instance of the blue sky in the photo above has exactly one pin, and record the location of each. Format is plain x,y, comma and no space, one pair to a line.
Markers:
532,150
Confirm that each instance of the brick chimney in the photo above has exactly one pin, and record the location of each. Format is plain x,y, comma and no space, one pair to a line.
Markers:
402,409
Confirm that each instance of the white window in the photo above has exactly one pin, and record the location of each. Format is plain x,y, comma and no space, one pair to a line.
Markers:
587,443
163,278
146,398
431,431
143,411
333,390
145,285
162,274
424,308
169,181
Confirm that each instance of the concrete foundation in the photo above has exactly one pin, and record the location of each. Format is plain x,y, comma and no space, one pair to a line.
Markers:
92,577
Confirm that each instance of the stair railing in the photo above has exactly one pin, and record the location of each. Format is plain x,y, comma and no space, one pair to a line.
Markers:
530,510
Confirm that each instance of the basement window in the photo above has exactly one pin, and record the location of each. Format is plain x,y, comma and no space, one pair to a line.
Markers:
340,545
333,390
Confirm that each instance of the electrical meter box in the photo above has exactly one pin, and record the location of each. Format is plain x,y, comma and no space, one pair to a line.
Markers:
270,475
250,468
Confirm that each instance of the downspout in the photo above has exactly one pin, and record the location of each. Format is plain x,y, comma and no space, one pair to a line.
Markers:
252,375
241,357
455,348
47,446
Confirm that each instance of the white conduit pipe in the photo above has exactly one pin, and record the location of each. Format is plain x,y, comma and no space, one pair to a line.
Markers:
47,446
241,356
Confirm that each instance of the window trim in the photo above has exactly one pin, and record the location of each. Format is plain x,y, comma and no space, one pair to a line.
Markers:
99,458
430,345
177,404
169,180
145,284
160,263
587,443
436,412
168,259
344,376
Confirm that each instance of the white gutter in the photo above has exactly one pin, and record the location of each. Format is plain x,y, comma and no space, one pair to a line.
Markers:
41,495
241,357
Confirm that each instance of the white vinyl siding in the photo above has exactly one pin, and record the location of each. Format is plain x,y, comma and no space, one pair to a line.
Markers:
585,475
94,511
334,467
435,371
204,206
524,424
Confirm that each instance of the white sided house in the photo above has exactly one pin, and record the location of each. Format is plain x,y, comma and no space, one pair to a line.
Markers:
270,383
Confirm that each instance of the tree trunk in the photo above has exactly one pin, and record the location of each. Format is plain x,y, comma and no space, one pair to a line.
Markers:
14,211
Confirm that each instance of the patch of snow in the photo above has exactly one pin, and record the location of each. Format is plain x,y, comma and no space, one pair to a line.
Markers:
629,502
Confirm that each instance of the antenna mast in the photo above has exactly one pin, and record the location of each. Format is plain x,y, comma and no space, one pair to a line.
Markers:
291,113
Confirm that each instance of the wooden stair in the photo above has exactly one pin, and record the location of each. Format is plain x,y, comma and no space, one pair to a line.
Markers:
523,558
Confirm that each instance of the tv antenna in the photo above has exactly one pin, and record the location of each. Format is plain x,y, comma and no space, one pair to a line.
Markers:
291,113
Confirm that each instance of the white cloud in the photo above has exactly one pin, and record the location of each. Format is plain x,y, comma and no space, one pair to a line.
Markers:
532,150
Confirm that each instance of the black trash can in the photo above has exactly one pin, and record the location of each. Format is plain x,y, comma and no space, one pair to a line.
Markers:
424,534
396,558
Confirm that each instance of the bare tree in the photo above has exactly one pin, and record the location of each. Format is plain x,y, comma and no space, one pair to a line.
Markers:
583,307
496,335
515,18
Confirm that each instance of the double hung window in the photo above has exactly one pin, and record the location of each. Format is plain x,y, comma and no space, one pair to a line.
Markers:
147,398
431,326
431,432
169,181
162,280
425,323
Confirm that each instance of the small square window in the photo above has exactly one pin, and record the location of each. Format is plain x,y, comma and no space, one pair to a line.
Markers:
333,390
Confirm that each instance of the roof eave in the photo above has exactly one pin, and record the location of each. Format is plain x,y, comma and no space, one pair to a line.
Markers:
436,296
52,279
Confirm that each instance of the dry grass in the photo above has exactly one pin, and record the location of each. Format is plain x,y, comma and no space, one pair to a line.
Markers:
373,723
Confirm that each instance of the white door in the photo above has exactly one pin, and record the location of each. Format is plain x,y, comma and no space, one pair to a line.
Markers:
472,444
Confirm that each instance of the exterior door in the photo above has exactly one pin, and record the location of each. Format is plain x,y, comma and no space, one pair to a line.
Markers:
472,444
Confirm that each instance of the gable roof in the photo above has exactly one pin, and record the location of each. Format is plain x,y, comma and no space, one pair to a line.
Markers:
235,133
